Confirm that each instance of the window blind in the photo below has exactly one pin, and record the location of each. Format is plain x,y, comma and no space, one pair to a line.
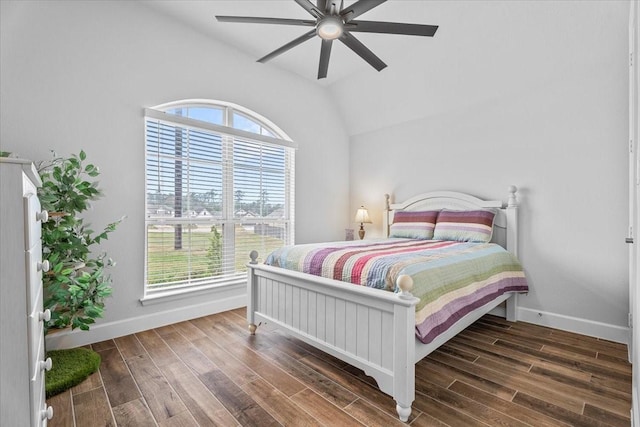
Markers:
211,198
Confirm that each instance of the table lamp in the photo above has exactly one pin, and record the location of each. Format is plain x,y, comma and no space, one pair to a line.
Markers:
362,216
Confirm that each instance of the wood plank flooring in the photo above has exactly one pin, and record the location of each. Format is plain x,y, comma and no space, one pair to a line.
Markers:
210,372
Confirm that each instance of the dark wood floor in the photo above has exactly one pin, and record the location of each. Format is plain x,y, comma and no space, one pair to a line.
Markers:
209,371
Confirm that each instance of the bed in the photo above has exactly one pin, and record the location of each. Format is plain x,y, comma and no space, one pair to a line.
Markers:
374,329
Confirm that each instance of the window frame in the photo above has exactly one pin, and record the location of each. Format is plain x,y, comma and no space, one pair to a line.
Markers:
229,222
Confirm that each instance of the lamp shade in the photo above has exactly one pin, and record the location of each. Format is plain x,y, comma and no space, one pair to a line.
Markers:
362,216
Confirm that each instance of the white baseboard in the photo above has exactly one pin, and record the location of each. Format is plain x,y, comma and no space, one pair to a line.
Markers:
591,328
110,330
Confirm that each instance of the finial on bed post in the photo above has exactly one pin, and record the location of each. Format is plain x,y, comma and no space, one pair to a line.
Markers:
254,257
513,201
405,283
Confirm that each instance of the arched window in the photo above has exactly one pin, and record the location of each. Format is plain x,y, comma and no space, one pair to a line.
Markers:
219,183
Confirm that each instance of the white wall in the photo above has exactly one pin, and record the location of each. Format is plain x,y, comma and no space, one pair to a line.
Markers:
526,93
77,75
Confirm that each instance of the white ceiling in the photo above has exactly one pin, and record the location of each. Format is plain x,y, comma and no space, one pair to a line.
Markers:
257,40
483,50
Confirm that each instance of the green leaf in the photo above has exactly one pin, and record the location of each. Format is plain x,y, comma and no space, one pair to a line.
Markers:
57,268
83,155
93,312
63,279
103,293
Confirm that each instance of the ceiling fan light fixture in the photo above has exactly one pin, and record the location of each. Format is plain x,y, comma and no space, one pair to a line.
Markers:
330,28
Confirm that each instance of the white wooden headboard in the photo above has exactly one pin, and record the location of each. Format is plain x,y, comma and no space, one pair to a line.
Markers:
505,226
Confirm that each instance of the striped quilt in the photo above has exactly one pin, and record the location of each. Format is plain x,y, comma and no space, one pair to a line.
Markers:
450,278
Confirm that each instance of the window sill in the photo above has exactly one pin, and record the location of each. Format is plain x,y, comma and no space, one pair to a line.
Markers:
178,294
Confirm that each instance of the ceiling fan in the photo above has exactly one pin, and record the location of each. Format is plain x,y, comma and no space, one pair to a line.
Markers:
332,22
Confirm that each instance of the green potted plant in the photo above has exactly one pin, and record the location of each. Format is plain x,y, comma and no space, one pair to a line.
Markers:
76,284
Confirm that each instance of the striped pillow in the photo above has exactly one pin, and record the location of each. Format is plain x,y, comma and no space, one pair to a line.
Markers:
464,226
413,225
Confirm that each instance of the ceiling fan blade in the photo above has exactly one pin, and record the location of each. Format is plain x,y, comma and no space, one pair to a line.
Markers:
311,8
392,28
358,8
322,5
355,45
293,43
325,53
259,20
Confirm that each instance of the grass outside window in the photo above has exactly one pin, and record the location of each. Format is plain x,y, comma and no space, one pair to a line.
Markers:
200,257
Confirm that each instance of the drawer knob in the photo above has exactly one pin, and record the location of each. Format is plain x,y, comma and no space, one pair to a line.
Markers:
45,315
44,266
46,364
42,216
47,413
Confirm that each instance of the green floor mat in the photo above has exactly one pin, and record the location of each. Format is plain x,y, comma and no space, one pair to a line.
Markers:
70,368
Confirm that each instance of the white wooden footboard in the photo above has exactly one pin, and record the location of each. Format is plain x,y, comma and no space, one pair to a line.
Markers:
371,329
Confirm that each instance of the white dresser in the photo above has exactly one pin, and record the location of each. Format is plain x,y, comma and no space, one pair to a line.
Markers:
22,364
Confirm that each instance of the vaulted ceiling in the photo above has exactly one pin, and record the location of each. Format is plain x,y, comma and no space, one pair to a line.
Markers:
482,51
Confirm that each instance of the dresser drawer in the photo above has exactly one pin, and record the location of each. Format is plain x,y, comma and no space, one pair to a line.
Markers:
35,333
36,353
38,403
35,267
33,220
39,365
41,413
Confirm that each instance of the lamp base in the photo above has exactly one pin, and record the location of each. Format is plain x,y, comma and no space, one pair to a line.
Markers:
361,232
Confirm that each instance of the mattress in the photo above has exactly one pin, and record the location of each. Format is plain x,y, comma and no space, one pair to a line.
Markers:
450,278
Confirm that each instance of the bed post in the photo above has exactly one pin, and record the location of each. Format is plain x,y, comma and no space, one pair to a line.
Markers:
512,245
251,293
512,221
385,219
404,364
